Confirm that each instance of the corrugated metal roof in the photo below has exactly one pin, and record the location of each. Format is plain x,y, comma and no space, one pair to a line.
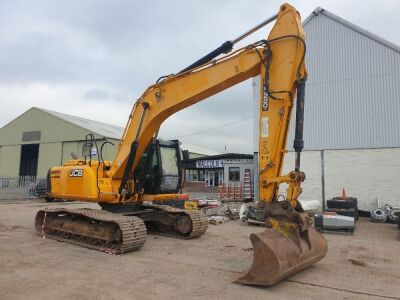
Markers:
225,156
96,127
353,92
198,149
115,132
320,10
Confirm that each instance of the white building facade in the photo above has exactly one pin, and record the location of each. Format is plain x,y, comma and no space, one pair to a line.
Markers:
209,172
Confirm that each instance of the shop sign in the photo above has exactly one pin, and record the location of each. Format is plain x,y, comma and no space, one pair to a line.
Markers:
210,163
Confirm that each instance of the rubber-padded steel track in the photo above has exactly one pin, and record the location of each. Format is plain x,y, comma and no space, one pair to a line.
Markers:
132,229
198,219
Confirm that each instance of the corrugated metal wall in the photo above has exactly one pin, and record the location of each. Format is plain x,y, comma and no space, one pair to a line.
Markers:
353,91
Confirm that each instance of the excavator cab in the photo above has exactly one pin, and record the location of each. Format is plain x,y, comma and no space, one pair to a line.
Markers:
159,170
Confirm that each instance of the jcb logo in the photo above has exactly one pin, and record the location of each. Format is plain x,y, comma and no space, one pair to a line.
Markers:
76,173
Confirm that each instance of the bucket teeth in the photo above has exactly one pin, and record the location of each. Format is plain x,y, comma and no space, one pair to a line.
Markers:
277,256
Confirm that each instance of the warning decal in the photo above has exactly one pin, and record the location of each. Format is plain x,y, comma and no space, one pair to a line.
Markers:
264,127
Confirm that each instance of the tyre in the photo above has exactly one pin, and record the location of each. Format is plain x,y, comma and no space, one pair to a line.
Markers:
49,199
340,203
392,216
378,215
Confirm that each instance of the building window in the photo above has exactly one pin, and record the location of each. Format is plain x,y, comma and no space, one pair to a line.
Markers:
201,175
187,175
30,136
191,175
194,175
234,174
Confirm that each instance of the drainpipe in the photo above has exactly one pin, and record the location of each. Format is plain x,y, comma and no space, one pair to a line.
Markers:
323,179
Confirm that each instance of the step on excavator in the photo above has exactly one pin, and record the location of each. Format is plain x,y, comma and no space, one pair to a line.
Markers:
137,190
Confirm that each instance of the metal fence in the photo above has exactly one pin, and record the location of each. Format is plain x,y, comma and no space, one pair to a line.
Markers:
20,187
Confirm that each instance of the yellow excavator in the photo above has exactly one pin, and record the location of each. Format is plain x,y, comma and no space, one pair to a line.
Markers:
138,189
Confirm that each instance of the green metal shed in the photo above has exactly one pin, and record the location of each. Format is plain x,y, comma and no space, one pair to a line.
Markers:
39,139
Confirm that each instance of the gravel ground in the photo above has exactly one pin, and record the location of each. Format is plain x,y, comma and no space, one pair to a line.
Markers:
363,266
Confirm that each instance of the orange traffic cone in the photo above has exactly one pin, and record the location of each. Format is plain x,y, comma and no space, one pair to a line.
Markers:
344,196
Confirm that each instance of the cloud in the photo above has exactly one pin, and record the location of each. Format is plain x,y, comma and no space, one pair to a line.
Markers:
97,94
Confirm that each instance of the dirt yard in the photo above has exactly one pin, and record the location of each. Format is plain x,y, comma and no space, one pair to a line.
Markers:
363,266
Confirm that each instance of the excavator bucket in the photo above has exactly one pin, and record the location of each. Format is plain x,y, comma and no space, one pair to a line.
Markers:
278,254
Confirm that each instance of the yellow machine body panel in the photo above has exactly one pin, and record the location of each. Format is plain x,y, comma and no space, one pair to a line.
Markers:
76,181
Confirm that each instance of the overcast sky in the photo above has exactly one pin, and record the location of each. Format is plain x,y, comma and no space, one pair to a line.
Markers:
94,58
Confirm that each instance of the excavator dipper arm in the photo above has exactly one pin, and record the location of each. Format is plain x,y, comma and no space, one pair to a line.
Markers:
290,243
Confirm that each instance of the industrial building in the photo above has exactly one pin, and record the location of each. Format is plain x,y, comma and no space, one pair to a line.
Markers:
352,113
39,139
207,173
